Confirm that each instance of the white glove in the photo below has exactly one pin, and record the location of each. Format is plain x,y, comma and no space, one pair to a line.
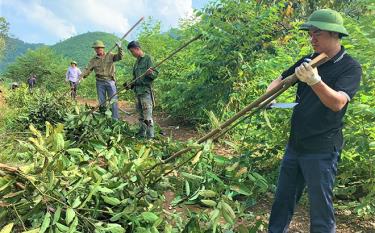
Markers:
118,43
305,73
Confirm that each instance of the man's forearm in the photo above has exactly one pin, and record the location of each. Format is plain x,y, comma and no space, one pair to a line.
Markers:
330,98
85,73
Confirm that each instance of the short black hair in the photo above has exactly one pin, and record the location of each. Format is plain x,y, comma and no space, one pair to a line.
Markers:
133,44
339,35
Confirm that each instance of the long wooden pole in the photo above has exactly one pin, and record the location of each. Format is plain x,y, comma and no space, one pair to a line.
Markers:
259,103
127,33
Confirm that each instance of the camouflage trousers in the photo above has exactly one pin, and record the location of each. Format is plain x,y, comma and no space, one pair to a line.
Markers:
144,109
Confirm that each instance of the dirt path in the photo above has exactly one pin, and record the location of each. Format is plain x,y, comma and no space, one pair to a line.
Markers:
346,222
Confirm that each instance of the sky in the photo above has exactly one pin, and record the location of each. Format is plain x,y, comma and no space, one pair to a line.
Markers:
51,21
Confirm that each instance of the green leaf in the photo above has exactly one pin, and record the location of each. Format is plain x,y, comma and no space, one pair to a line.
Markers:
243,229
116,217
73,226
241,189
196,157
215,177
111,200
149,217
209,203
372,145
6,185
207,193
115,228
46,222
62,227
36,230
105,190
214,215
133,179
108,113
268,122
192,226
76,202
187,188
75,151
221,159
191,176
56,216
232,167
70,214
8,228
35,131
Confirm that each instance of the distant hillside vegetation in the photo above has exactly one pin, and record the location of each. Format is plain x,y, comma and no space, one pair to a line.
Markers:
15,48
79,48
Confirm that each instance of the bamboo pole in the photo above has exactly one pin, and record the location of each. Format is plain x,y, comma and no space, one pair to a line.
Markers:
127,33
256,105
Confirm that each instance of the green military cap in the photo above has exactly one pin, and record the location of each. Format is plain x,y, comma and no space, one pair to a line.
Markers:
98,44
326,20
73,62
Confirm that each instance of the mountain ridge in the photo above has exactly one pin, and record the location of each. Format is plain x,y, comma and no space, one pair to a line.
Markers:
77,48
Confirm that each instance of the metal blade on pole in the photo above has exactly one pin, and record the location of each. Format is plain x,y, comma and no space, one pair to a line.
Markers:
283,105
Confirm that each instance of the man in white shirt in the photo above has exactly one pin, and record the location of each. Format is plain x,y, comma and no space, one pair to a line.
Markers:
72,76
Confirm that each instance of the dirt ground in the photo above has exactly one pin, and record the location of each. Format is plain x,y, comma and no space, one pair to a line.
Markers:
346,223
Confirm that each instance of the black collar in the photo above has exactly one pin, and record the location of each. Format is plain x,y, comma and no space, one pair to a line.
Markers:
338,57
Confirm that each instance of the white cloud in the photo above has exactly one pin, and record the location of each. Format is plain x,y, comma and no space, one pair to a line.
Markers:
64,18
103,15
35,13
119,15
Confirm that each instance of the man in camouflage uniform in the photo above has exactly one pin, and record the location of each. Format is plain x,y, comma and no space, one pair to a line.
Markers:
104,69
143,89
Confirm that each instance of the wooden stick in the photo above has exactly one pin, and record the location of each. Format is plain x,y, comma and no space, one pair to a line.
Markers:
127,33
259,103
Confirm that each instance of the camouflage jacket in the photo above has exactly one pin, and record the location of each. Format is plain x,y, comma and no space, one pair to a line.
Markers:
143,84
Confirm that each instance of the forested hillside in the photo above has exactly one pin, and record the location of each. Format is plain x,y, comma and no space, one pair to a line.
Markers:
13,49
79,48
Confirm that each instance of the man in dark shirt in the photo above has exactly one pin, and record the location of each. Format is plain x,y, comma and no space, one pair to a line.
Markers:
316,138
31,81
143,76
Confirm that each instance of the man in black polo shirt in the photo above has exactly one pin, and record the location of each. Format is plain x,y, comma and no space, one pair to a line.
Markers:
316,137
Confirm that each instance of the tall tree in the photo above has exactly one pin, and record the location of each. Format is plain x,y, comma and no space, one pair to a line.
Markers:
4,26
